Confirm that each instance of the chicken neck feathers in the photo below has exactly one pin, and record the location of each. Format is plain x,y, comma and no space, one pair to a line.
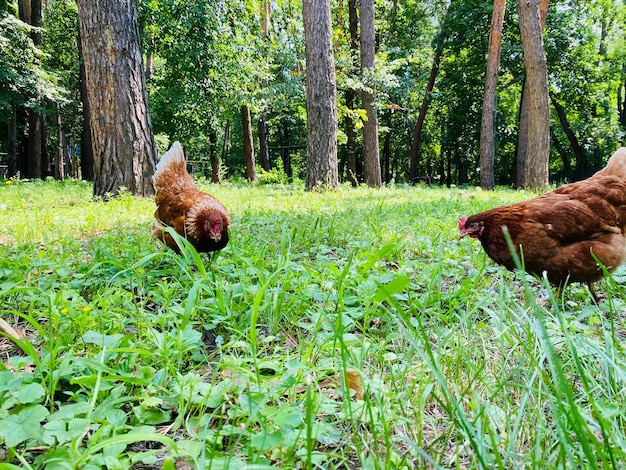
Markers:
563,232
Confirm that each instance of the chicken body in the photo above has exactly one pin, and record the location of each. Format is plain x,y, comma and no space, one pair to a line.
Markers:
195,215
561,232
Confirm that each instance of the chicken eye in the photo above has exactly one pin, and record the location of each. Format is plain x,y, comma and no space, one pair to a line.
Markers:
473,225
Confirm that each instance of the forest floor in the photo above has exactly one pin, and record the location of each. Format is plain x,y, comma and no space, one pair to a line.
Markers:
349,329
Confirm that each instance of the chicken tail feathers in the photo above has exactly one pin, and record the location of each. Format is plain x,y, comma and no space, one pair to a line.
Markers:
616,166
174,155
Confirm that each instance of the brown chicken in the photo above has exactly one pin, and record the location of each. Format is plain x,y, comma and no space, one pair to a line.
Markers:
195,215
561,233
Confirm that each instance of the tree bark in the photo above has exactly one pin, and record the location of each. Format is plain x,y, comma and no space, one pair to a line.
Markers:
524,113
538,156
285,152
59,163
386,170
12,167
371,144
321,91
123,144
216,176
488,131
264,143
31,14
248,144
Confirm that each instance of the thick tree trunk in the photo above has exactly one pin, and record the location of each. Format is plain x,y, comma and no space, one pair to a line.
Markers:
216,176
524,113
371,144
488,131
248,144
321,91
538,155
123,145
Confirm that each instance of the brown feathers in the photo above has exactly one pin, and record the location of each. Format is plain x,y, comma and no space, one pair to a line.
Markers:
195,215
563,232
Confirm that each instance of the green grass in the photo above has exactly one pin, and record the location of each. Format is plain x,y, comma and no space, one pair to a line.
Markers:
337,330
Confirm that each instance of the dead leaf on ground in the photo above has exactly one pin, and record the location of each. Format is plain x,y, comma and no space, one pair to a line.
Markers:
355,382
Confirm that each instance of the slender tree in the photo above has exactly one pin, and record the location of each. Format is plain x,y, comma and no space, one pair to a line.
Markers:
371,151
216,174
263,128
487,131
421,118
248,143
321,92
538,153
350,97
123,145
31,13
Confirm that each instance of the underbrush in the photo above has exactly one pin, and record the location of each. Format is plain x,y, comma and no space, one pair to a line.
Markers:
337,330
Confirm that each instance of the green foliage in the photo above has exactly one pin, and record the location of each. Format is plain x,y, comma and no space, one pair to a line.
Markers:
347,329
19,64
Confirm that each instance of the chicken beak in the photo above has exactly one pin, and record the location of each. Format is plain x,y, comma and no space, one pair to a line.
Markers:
463,233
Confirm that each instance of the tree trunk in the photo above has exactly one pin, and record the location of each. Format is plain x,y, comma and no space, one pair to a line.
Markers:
417,135
35,142
371,149
488,131
567,166
31,14
421,118
538,156
264,134
248,143
264,143
123,145
285,153
12,168
321,91
226,142
353,22
387,151
579,153
524,113
59,163
216,176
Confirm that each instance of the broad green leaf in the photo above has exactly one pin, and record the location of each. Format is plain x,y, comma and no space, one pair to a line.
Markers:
396,286
22,426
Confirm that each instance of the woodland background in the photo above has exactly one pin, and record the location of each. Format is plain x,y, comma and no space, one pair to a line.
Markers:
207,62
